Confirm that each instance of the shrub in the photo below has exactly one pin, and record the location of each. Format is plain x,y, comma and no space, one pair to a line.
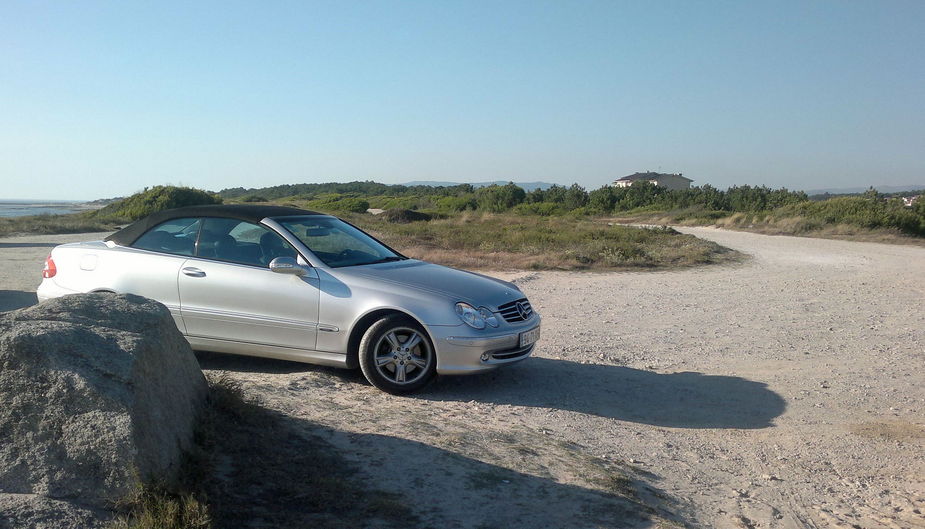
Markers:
339,203
500,198
74,223
473,240
862,211
580,212
543,209
575,197
603,199
152,200
405,202
460,203
355,205
403,216
555,194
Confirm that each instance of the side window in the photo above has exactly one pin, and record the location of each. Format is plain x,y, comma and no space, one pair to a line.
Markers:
177,236
241,242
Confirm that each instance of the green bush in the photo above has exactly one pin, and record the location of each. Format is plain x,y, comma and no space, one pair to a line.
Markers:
580,212
459,203
152,200
534,242
603,199
698,214
339,203
500,198
401,202
738,205
861,211
543,209
405,215
575,197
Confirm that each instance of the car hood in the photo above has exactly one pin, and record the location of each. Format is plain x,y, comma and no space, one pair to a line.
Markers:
453,284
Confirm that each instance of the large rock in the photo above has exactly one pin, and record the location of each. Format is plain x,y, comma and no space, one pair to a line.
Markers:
97,392
22,511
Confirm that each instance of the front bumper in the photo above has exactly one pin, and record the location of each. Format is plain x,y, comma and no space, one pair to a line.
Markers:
462,350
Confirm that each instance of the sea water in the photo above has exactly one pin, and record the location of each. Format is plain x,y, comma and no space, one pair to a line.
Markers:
22,208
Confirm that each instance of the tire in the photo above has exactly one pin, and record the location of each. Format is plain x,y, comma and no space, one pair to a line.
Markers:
389,364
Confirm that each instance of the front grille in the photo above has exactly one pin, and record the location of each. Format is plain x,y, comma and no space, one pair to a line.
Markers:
511,312
510,354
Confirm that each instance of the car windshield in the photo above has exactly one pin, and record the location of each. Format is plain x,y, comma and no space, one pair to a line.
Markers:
337,243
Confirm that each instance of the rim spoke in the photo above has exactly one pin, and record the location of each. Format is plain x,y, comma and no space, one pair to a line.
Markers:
384,360
413,341
419,361
399,373
393,340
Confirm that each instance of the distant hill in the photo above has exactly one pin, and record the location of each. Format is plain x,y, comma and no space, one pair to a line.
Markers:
527,186
856,190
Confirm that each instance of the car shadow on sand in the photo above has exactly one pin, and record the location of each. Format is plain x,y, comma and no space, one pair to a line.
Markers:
254,364
16,299
677,400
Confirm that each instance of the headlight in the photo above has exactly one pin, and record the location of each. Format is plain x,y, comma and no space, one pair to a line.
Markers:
470,316
475,318
488,316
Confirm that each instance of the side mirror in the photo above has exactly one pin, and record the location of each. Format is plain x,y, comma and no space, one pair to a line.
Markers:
287,265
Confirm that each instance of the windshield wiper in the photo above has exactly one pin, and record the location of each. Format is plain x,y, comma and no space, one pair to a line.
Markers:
388,259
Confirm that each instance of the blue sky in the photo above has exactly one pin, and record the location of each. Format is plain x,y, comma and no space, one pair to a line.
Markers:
100,99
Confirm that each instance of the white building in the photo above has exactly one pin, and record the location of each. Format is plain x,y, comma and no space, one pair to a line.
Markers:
670,181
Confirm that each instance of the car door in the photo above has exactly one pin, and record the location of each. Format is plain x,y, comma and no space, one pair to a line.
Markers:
151,265
227,291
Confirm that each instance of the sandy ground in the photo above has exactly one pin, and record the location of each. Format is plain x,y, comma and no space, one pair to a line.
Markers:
786,391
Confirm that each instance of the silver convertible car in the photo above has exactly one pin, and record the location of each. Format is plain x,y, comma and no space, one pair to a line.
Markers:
298,285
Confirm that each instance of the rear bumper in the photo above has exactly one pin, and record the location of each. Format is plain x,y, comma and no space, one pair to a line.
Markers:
462,350
48,289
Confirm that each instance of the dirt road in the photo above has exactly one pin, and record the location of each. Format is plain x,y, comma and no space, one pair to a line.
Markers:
784,392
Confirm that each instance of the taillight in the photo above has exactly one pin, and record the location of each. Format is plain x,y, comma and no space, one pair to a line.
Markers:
50,270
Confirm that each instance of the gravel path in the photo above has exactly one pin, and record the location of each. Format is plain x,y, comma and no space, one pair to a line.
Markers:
786,391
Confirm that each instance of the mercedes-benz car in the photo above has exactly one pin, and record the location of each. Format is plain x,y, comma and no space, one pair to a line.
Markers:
297,285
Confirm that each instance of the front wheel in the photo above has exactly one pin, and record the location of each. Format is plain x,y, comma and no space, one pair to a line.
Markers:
396,355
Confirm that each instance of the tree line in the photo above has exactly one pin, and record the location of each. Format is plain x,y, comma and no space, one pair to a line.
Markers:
706,202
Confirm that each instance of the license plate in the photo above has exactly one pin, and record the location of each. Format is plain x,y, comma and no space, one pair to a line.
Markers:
529,337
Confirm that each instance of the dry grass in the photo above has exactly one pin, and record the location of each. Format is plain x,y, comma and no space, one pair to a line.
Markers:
485,240
896,430
52,224
507,241
800,226
155,507
770,224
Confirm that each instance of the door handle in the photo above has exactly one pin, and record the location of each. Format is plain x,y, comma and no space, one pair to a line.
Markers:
193,272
